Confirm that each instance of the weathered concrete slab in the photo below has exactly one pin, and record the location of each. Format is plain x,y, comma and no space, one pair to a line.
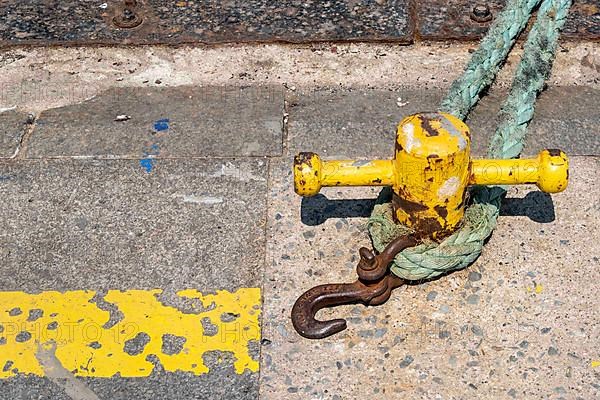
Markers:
222,382
362,124
571,125
100,225
205,21
519,323
165,122
357,123
13,125
74,224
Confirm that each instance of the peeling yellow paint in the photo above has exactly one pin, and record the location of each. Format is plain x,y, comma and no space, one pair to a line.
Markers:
595,363
88,347
431,178
538,289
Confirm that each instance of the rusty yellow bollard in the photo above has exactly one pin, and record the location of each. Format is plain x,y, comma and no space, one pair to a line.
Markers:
430,173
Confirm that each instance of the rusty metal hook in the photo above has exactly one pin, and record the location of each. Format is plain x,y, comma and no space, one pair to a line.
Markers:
373,267
335,294
374,287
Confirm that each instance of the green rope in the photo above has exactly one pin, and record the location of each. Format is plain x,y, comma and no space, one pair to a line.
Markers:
532,72
488,58
457,251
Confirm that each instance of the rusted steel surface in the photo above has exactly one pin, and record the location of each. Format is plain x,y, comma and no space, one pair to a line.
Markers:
128,14
31,21
584,20
202,21
211,21
470,19
455,19
372,267
335,294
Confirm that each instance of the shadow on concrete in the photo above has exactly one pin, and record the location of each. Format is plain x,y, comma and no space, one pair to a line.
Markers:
537,206
318,209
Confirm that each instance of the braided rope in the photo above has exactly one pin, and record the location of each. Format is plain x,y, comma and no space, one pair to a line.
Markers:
429,260
532,72
487,60
457,251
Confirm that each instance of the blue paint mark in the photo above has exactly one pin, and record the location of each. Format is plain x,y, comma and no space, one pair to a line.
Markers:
150,152
148,164
161,125
149,160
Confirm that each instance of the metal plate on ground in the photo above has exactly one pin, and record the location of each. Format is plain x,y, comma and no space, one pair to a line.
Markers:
470,19
207,21
584,20
443,19
211,21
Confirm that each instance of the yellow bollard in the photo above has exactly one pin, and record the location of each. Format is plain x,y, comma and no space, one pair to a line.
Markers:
430,173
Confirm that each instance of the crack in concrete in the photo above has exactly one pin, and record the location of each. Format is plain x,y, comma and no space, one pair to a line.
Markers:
28,129
61,377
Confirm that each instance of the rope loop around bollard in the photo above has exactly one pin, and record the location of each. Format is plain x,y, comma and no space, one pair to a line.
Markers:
429,260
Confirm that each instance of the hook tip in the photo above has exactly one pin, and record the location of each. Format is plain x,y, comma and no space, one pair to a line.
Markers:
319,329
307,305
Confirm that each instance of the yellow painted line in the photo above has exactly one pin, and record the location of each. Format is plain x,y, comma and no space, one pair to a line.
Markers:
74,327
595,363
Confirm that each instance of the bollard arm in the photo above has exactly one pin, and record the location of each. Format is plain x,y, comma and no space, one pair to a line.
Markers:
311,173
549,171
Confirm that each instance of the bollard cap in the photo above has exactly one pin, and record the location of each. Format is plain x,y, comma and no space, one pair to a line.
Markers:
433,133
308,169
